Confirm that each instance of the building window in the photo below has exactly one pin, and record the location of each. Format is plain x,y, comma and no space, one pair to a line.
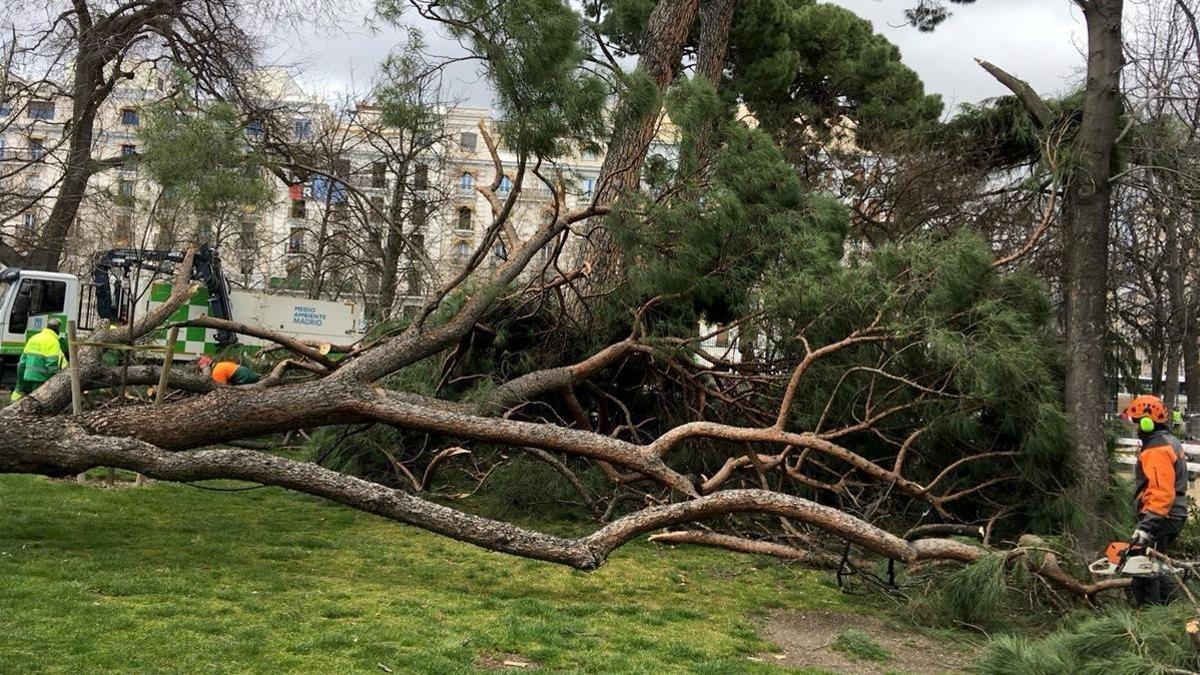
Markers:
1,147
722,340
40,110
36,148
420,211
466,184
500,250
412,279
124,231
129,117
418,243
589,186
28,223
162,84
462,251
341,167
464,219
421,177
377,215
467,140
505,185
378,174
299,209
248,236
125,188
590,154
302,129
5,110
127,150
254,129
295,242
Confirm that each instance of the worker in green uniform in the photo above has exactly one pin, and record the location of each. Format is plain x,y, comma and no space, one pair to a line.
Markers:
41,359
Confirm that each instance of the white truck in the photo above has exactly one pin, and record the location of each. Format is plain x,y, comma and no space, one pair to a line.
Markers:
127,283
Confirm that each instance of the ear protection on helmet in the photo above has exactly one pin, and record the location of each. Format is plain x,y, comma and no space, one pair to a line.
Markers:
1146,424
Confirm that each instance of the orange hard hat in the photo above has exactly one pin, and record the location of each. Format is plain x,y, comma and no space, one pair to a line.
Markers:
223,371
1146,406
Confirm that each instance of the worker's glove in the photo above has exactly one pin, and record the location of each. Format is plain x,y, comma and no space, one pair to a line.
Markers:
1141,538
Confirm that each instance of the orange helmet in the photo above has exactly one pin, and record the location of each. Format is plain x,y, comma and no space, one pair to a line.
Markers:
1146,406
223,371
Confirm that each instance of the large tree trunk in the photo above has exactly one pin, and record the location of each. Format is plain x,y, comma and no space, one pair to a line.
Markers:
660,53
1191,361
716,18
393,244
67,449
1156,371
84,100
1089,195
1177,302
1170,392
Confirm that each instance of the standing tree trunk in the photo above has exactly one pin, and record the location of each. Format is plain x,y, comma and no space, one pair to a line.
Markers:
88,80
1170,390
1156,371
393,245
660,53
1177,304
716,18
1191,362
1089,195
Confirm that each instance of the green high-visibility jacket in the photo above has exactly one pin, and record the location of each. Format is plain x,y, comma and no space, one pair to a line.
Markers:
41,359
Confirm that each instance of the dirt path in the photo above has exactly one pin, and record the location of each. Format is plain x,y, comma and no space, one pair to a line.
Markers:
807,639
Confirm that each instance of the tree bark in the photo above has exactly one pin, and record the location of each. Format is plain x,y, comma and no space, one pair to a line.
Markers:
1089,195
84,101
1156,371
1170,393
1177,304
659,56
393,244
1191,364
716,19
1033,103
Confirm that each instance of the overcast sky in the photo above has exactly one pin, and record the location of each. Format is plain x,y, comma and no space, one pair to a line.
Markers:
1038,40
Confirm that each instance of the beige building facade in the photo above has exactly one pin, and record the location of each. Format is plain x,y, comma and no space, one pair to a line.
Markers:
321,232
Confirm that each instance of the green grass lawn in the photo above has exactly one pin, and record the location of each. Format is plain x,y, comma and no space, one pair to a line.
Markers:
172,579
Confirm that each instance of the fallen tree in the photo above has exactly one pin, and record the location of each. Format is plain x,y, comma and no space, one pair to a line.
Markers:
910,378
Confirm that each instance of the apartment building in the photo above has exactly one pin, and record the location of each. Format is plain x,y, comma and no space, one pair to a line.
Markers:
322,231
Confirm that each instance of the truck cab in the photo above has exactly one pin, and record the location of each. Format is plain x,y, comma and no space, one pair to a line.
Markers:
27,299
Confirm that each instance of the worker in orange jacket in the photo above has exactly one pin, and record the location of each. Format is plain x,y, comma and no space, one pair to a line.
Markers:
1160,491
227,372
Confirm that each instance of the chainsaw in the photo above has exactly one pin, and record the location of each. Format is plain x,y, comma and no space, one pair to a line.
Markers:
1122,559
